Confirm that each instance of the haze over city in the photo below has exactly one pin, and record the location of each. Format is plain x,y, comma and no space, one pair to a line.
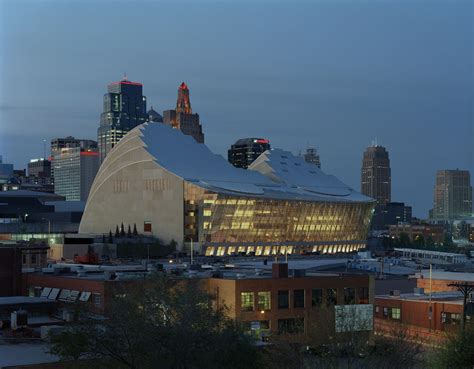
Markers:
308,73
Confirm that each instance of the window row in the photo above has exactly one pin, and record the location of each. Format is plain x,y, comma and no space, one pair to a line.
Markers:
261,301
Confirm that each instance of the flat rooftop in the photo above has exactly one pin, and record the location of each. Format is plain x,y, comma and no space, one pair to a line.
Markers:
24,300
453,297
448,276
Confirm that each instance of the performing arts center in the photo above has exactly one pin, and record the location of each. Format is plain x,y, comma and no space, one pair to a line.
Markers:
174,188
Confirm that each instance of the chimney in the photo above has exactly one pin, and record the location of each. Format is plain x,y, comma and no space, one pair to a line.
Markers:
279,270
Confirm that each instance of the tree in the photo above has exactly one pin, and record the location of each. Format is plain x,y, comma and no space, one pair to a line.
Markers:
159,323
135,232
111,240
419,241
404,240
117,233
457,352
129,232
122,230
430,242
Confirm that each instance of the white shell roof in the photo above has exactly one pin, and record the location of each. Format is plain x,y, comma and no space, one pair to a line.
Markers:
268,177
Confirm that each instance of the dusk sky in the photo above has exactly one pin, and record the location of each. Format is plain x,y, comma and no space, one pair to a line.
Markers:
331,74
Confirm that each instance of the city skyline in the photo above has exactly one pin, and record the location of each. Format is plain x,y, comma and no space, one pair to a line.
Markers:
417,103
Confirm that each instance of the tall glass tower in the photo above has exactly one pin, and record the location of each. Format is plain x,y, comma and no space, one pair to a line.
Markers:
124,109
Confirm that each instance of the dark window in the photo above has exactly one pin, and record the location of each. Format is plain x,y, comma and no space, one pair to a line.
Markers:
316,297
147,227
363,293
294,325
349,295
331,296
298,298
283,299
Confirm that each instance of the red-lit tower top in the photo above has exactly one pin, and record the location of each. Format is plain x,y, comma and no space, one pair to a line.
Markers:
183,105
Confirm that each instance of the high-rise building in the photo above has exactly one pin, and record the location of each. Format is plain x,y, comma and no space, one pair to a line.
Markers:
124,109
39,168
391,213
6,170
246,150
182,117
57,144
74,172
452,195
154,116
312,157
376,175
69,142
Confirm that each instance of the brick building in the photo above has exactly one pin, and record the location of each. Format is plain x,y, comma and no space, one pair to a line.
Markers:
286,304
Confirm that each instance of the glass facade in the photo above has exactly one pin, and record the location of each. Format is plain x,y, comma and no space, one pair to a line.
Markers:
229,225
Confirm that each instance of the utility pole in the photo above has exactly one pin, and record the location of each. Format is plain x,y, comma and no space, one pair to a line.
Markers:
466,289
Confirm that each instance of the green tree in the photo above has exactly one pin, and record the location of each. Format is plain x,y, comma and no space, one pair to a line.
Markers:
160,323
117,233
111,240
129,232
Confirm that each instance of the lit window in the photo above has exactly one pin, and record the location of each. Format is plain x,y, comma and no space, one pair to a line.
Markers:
207,212
396,313
263,300
246,301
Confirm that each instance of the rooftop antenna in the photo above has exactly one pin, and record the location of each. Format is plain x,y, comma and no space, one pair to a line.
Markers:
125,78
44,149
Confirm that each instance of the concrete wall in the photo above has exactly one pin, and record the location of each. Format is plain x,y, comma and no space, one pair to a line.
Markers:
131,188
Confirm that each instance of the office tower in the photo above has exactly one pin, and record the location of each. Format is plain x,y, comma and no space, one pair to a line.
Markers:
452,195
182,117
6,170
74,171
312,157
124,109
246,150
375,174
39,168
69,142
57,144
154,116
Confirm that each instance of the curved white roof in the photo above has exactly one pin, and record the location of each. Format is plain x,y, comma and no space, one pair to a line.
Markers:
275,174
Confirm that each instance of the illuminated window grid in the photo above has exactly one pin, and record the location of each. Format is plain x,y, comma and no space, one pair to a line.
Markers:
249,220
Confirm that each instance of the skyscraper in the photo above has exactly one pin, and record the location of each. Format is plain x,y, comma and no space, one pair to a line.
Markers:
60,143
312,157
376,175
154,116
246,150
74,171
124,109
452,195
182,117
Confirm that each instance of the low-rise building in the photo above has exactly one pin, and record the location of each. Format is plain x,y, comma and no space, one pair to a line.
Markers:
285,303
419,315
427,231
